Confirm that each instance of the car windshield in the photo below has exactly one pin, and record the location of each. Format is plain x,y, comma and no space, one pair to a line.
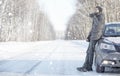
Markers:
112,30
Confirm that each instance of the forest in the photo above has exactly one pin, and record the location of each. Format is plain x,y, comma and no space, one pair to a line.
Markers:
80,23
23,20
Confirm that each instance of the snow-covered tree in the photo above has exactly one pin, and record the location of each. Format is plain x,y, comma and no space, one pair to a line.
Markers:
22,20
79,24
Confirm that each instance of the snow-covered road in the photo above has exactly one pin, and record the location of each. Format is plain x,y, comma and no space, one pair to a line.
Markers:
46,58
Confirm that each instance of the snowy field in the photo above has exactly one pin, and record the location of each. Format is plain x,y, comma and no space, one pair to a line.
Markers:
44,58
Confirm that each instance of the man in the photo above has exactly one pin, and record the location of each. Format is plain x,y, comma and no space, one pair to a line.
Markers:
94,35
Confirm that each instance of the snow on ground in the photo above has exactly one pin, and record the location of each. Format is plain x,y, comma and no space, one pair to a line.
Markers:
44,58
9,50
12,50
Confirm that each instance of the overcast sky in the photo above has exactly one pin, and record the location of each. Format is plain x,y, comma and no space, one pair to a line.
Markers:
59,11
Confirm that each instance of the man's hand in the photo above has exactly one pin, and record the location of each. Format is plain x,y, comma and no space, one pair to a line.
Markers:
88,38
92,15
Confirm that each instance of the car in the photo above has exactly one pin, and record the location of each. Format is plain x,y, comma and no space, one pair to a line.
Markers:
107,49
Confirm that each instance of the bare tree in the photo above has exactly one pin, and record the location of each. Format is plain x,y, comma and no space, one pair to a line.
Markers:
80,23
22,20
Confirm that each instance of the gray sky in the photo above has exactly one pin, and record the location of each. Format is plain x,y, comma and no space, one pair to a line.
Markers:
59,11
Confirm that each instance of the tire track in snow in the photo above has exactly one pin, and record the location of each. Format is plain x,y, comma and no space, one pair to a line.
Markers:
34,66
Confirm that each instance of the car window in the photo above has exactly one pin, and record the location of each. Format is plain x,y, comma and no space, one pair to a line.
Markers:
112,30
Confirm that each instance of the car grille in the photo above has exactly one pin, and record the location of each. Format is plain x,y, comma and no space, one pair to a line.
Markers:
117,48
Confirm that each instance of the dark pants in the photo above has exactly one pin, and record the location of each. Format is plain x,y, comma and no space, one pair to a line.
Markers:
90,55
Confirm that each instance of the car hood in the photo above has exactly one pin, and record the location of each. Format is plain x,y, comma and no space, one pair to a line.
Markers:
114,39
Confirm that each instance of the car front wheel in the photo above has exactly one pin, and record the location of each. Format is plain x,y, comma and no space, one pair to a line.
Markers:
100,69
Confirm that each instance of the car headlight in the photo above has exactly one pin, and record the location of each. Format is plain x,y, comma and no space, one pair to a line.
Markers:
106,62
107,46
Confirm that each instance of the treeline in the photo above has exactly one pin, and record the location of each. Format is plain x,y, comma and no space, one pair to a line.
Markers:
79,24
23,20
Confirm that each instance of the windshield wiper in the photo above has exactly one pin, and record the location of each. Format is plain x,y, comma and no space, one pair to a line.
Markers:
112,35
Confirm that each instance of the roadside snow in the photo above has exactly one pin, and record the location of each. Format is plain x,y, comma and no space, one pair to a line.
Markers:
19,50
